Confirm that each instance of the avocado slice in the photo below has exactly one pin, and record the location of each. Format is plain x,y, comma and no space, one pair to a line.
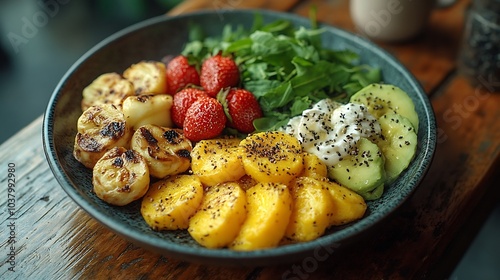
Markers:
362,170
398,143
384,99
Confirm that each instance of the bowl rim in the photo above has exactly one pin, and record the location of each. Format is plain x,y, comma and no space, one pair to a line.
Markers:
205,255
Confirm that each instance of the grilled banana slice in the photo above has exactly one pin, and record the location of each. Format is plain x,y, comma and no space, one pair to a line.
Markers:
166,150
148,77
272,157
99,129
148,109
217,161
120,176
109,88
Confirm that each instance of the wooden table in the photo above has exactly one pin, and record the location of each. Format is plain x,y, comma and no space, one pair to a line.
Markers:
425,238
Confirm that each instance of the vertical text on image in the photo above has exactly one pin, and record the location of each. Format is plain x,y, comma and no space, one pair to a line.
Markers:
11,218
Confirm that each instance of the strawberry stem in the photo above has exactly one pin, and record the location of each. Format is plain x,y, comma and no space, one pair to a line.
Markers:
222,98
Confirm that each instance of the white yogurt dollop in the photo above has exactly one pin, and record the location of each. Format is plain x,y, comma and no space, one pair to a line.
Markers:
330,130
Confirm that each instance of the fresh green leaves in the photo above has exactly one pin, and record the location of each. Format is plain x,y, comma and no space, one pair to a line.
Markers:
286,68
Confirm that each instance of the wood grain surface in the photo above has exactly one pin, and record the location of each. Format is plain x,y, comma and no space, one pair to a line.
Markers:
424,238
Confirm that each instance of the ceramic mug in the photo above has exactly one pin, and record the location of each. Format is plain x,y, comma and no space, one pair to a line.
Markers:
391,20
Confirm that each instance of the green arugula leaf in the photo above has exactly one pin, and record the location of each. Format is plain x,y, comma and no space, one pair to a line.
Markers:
299,105
279,26
287,68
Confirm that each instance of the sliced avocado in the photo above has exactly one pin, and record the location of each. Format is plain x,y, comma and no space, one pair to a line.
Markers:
384,99
398,143
362,170
374,194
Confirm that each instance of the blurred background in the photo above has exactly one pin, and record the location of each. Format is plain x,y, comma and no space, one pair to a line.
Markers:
41,39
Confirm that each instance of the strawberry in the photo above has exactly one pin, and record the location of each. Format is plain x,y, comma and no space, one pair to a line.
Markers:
205,119
180,74
243,108
182,101
218,72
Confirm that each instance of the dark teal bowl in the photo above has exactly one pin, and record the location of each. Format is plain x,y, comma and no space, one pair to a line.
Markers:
157,37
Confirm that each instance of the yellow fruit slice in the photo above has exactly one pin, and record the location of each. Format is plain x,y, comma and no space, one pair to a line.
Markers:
314,167
348,205
272,157
220,216
269,207
217,161
312,208
169,203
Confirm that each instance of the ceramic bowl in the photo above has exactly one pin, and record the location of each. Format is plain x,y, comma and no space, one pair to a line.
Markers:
157,37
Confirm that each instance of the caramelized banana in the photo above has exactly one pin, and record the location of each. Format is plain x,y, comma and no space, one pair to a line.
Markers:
109,88
166,150
148,77
100,128
120,176
148,109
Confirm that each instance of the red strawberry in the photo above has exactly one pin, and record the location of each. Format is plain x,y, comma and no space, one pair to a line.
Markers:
218,72
205,119
182,101
180,74
243,108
